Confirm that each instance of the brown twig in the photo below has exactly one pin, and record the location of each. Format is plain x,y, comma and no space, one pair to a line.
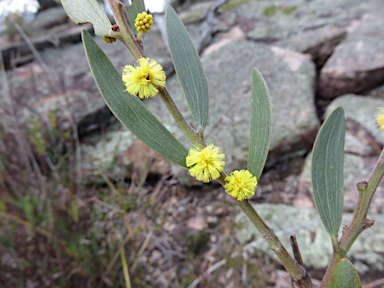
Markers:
374,283
37,230
296,250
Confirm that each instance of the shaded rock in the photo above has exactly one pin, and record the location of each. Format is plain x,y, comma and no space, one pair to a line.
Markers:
20,53
71,89
356,169
235,33
48,18
378,92
201,23
358,62
46,4
367,253
117,153
360,111
290,78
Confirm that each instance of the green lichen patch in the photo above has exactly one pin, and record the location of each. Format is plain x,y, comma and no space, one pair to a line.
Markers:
232,4
271,10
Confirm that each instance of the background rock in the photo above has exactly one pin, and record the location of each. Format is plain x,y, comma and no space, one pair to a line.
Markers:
319,42
320,28
358,62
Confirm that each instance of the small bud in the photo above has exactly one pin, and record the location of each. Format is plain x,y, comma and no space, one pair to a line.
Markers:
380,119
143,22
109,39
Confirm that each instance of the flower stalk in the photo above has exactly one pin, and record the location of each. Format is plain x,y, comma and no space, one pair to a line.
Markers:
196,138
124,33
297,272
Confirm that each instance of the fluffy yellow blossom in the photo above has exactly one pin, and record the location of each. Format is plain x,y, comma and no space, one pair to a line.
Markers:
143,22
380,119
145,79
205,164
240,184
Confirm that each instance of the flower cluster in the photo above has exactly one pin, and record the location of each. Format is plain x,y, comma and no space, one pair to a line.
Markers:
109,39
380,119
143,22
205,164
240,184
145,79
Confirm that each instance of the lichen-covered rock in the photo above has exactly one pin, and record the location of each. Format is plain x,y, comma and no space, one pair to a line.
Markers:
280,19
117,153
367,253
315,27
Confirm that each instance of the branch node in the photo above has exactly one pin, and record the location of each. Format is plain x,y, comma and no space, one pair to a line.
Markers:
296,250
367,223
362,186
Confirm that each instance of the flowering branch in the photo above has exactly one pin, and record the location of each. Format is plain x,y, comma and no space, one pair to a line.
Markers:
196,138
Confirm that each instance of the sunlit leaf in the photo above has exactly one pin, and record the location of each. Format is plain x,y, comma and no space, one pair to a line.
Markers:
327,171
345,276
129,109
261,125
88,11
188,67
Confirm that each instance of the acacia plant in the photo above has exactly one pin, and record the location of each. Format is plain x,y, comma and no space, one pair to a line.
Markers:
205,161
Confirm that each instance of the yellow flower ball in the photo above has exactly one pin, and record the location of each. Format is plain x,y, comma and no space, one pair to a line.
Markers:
143,22
205,164
109,39
380,119
240,185
145,79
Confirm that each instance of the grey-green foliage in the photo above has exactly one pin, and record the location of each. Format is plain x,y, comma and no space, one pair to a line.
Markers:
327,171
128,108
261,125
188,67
345,276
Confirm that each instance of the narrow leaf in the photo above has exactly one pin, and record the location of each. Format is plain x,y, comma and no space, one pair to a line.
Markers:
261,125
129,109
132,10
345,276
327,171
88,11
188,67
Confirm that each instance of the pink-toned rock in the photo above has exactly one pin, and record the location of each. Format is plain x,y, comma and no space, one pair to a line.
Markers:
358,62
197,223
